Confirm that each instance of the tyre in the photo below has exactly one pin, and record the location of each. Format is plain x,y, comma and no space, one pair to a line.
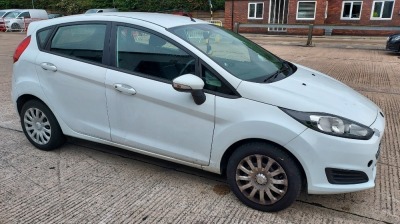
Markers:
263,176
40,126
15,26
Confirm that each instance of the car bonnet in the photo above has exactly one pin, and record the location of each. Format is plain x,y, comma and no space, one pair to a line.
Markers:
310,91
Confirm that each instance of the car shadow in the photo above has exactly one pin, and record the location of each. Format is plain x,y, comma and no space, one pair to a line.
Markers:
145,159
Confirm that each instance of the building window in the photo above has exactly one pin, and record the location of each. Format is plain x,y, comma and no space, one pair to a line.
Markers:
351,10
382,10
306,10
256,10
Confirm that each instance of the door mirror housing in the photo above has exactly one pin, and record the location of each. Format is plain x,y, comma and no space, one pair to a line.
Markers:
187,83
191,84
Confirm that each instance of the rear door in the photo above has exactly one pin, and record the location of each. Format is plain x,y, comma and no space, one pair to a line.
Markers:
72,74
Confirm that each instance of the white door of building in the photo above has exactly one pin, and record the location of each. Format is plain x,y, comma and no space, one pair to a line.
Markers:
278,11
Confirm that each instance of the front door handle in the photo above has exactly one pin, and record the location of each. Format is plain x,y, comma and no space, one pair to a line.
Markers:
125,89
48,66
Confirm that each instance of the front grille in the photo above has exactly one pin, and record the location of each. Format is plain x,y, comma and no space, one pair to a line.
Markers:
339,176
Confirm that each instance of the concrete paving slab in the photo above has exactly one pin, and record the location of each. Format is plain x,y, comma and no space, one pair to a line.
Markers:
84,182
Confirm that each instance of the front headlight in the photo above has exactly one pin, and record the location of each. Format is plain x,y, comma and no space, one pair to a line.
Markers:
331,124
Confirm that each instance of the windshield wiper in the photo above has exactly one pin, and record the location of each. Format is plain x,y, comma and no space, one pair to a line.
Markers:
274,75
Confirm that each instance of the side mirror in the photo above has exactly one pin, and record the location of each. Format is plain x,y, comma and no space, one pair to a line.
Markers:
191,84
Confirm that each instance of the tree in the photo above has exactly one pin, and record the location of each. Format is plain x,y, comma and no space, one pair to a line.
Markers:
74,6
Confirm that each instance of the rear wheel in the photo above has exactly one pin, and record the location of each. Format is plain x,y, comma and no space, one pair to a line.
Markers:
40,126
263,176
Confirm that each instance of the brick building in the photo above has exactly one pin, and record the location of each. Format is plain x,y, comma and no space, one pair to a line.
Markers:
318,12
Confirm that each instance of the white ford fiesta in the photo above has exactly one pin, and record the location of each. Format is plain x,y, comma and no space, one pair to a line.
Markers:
184,90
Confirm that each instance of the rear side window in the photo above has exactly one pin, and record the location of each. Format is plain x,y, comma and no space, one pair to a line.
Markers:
84,42
25,15
42,37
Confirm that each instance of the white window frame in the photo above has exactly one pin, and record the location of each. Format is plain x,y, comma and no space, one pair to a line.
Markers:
351,10
255,10
383,4
297,13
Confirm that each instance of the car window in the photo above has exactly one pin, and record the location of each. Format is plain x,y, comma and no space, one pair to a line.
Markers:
80,41
12,15
147,53
233,52
91,11
25,15
42,37
213,83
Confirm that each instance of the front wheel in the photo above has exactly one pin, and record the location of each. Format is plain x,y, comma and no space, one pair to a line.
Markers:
263,176
40,126
15,26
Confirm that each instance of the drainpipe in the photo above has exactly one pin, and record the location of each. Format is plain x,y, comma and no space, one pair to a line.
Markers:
232,8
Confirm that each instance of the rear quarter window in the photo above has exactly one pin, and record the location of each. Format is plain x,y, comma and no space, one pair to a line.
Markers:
42,37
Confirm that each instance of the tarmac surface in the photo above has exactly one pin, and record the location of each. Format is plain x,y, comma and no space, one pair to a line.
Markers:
84,182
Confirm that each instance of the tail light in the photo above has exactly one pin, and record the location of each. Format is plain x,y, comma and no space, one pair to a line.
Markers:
21,48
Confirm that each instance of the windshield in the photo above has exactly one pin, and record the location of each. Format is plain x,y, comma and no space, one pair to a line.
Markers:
1,14
236,54
91,11
12,15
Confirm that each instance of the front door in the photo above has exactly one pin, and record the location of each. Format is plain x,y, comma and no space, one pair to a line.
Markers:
278,14
145,112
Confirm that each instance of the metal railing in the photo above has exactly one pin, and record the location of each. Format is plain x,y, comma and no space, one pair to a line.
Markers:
311,27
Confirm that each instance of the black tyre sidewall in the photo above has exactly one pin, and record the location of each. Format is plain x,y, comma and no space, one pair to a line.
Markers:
284,159
57,138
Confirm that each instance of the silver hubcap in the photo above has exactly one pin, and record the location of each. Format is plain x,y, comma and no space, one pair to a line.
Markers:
261,179
37,126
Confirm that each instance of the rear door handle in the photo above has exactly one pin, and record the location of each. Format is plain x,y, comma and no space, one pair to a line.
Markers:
48,66
125,89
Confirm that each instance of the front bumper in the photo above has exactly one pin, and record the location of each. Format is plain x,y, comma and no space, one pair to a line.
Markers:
318,152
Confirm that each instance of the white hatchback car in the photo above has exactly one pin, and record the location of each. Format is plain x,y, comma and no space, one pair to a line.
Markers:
184,90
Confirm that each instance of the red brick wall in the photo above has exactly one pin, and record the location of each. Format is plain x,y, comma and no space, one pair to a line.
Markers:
319,17
335,10
228,15
240,8
240,15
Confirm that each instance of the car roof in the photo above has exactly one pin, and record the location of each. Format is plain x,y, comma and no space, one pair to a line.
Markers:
160,19
8,10
103,9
